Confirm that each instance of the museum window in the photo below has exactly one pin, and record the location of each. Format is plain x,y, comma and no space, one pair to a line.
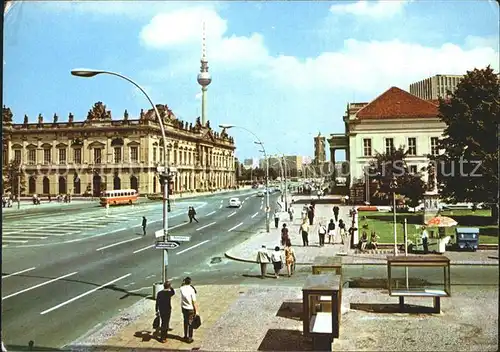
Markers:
367,147
161,155
180,157
154,155
412,146
185,157
62,156
389,145
117,155
413,169
434,146
77,156
175,157
97,156
17,155
134,154
31,157
47,156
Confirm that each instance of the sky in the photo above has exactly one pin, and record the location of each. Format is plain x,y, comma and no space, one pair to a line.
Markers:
283,70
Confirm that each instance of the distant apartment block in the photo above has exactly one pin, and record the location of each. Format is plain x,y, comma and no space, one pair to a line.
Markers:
251,163
436,86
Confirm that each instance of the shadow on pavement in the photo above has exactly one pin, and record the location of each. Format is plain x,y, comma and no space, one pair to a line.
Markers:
146,336
388,308
284,340
290,310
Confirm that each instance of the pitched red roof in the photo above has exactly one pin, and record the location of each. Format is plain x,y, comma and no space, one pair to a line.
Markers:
396,103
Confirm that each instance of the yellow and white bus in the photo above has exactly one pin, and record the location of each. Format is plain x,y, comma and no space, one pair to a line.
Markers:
119,196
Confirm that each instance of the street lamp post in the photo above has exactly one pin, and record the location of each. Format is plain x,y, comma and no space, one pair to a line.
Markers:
393,186
259,142
165,175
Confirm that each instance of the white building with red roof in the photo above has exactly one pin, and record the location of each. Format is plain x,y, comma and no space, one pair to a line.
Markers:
393,119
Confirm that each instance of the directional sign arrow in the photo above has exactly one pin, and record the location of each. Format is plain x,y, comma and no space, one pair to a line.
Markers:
167,245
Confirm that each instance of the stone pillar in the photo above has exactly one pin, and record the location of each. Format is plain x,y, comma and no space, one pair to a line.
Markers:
332,158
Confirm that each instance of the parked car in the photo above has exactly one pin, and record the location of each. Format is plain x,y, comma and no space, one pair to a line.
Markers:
234,203
260,194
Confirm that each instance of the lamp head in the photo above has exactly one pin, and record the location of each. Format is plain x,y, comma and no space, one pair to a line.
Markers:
85,72
223,125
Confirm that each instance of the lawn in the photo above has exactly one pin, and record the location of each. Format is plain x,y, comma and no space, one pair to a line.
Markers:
382,224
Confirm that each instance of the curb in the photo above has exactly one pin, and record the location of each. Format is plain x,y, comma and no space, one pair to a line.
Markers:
475,263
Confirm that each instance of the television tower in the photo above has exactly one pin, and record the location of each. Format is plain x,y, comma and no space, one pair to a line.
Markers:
204,78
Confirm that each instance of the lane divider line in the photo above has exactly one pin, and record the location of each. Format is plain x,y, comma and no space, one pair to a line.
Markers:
235,227
39,285
27,237
84,294
178,225
261,207
254,215
220,206
201,228
231,214
212,212
18,272
118,243
143,249
188,249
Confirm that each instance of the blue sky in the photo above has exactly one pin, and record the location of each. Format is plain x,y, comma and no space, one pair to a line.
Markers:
285,70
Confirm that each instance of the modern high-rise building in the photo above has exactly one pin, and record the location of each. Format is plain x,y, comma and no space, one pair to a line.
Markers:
436,86
293,164
319,149
251,163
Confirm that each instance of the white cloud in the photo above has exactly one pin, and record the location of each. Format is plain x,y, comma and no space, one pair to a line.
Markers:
183,29
373,9
472,41
375,66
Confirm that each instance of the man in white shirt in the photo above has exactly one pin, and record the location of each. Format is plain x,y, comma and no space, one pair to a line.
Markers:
425,240
263,259
189,308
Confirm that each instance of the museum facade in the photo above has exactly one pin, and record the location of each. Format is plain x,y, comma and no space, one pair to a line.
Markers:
101,153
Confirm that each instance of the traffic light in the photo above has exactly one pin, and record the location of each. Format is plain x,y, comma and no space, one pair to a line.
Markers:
168,206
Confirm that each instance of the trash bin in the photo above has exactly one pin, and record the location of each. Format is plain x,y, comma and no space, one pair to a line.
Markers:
467,237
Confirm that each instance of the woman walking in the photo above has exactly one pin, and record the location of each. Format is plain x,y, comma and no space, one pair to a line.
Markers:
342,230
289,258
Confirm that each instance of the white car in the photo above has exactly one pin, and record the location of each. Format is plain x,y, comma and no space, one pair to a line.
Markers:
234,203
260,194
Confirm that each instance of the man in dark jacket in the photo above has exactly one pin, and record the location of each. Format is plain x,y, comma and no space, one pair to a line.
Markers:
336,213
144,224
164,308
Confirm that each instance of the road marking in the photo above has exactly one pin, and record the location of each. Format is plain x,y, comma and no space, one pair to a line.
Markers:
254,215
261,207
118,243
143,249
220,206
221,201
231,214
201,228
18,272
27,237
13,241
234,227
242,202
247,198
210,213
178,225
84,294
188,249
39,285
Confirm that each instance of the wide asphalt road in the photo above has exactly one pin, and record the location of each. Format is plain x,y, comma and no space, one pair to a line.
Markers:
79,268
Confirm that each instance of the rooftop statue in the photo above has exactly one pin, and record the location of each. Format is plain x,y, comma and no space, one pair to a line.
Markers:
71,118
98,112
125,115
56,118
40,118
7,115
25,119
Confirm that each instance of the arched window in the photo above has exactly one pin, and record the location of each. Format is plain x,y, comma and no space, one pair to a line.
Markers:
46,185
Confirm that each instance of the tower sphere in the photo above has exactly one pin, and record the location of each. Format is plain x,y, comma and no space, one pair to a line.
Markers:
204,79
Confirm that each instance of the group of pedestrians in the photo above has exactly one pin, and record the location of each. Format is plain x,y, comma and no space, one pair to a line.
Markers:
278,259
189,305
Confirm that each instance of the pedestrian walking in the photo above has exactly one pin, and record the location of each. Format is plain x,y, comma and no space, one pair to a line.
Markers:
290,212
144,224
284,235
304,213
341,230
189,308
425,240
304,230
277,260
336,210
164,308
192,215
321,234
331,232
276,218
263,259
290,258
310,214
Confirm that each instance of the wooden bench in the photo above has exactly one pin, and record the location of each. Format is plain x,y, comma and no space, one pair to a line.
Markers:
421,261
321,320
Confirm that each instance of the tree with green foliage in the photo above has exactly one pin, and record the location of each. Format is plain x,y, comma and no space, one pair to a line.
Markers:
389,167
468,169
13,178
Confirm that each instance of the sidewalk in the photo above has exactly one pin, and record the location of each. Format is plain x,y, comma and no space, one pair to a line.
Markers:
269,318
247,251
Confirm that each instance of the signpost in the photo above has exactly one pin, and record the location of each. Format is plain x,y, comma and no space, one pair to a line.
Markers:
166,245
179,238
